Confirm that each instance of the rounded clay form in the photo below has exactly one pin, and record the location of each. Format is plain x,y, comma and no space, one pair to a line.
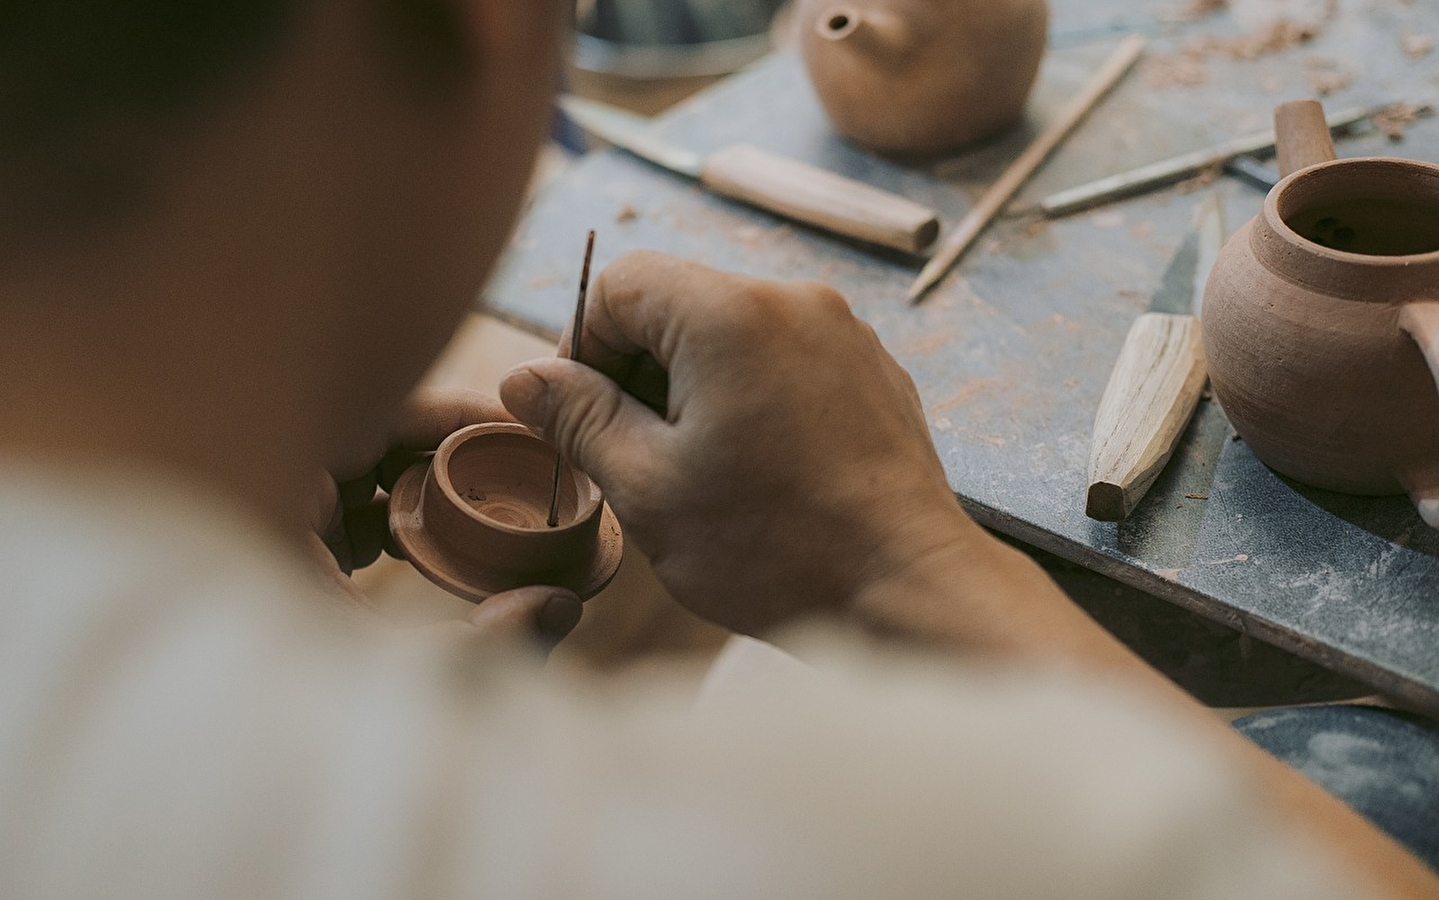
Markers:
917,78
1307,344
472,519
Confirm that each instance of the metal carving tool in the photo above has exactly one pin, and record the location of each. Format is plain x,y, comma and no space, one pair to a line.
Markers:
575,337
1176,168
1157,379
772,182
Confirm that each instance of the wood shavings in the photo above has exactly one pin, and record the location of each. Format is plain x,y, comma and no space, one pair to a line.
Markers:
1415,46
1394,120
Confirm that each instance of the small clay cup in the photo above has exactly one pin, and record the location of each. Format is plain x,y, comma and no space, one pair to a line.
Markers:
1321,322
472,519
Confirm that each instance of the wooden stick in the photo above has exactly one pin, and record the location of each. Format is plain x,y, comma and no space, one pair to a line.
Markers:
1013,178
1175,168
578,329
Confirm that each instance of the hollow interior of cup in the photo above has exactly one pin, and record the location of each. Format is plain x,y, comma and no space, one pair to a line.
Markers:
507,478
1368,207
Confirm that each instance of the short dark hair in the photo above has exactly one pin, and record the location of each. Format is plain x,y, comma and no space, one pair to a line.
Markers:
89,88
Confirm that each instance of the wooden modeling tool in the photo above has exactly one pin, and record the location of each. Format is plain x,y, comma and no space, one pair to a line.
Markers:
1013,178
784,186
578,330
1176,168
1156,381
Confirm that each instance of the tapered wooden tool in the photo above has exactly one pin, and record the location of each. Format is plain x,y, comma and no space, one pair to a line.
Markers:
1156,382
1013,178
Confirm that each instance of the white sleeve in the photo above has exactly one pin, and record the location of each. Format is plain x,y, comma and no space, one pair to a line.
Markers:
220,756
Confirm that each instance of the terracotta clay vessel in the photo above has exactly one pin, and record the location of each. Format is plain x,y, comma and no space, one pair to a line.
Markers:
472,519
920,77
1321,320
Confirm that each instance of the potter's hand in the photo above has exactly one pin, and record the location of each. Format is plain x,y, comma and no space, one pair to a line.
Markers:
350,520
753,437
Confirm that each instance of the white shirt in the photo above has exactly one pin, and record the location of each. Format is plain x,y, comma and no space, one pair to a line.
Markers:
177,722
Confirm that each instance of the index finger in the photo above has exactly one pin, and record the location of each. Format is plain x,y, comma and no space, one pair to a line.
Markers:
642,303
433,414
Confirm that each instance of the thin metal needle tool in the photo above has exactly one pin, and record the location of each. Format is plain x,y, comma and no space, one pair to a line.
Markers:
577,331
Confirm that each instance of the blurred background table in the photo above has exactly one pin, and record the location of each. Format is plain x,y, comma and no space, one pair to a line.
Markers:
1012,350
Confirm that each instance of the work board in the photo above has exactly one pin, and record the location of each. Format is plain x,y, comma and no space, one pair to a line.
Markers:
1013,349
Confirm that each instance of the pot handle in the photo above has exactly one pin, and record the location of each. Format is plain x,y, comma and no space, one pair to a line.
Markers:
1420,319
1301,135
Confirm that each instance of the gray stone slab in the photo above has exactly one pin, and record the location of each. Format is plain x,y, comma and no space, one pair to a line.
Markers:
1012,351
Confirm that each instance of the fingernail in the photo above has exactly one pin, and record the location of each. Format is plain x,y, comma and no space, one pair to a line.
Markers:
559,616
526,395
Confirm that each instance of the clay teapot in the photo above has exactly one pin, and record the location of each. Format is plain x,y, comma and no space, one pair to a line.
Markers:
920,77
474,518
1321,320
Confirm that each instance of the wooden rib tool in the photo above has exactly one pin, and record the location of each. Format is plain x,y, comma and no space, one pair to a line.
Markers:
1156,381
952,247
578,330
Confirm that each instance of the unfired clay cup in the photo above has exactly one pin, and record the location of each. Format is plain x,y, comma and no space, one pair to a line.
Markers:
473,518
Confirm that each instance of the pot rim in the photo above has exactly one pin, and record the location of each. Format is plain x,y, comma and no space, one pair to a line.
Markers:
1281,228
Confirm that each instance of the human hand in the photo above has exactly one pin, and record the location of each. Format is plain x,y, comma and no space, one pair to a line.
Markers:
349,521
754,439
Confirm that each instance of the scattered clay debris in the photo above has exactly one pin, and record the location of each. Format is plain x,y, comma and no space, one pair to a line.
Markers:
1326,77
626,215
1198,9
1196,496
1394,120
1037,227
1187,68
1206,177
1415,46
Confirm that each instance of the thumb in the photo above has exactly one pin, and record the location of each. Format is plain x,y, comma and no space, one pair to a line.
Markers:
585,415
547,613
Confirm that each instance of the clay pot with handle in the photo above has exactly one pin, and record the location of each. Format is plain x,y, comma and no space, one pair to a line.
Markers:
920,77
1321,320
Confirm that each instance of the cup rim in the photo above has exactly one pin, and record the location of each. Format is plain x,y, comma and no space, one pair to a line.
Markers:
585,509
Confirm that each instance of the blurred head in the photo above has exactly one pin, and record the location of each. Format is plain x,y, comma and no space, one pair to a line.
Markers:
315,186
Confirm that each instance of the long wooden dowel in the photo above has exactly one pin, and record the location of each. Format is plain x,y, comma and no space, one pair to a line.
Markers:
1013,178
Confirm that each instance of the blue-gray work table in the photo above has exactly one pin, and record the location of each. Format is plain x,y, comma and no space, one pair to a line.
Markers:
1012,351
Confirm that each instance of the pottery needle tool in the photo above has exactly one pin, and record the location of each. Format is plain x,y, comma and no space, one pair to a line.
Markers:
769,181
953,247
1157,379
577,330
1176,168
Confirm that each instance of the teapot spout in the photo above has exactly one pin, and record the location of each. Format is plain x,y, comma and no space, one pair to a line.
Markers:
879,34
